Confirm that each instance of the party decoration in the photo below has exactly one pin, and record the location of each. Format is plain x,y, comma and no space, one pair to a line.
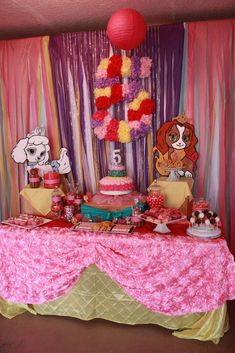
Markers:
34,149
126,29
175,147
110,91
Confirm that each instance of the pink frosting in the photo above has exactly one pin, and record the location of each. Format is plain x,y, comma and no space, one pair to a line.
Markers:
117,167
173,275
118,183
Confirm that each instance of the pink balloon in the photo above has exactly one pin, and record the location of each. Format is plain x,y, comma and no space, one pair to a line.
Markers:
126,29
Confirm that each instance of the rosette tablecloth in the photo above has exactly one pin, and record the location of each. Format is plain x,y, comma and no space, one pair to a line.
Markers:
171,275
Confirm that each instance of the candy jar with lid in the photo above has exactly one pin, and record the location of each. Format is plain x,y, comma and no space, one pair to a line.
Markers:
70,195
34,178
56,204
200,204
136,212
69,213
156,198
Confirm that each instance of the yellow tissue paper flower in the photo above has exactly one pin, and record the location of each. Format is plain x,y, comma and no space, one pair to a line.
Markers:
104,63
126,66
124,133
135,104
100,92
143,95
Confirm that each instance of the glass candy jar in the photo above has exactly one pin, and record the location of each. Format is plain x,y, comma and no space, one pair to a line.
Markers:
135,214
56,204
200,204
156,198
34,178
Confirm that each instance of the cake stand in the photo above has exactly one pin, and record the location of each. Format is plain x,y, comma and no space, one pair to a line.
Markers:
116,193
174,175
205,233
161,227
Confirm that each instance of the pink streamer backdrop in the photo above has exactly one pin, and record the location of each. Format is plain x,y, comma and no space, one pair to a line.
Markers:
209,101
173,275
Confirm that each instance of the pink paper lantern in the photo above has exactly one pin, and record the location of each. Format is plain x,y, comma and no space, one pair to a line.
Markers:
126,29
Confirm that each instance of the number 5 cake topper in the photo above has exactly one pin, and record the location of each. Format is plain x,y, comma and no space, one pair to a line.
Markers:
116,157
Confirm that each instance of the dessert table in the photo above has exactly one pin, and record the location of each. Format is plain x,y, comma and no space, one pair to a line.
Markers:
174,280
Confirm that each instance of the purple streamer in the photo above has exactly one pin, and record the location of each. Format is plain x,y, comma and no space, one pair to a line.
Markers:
135,67
83,51
106,82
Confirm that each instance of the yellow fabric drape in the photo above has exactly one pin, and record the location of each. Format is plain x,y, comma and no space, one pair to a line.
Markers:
97,296
38,200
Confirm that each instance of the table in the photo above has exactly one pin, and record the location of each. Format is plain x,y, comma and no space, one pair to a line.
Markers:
175,281
177,193
37,201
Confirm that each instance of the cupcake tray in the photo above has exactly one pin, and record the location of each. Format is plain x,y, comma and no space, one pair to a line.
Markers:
28,226
94,227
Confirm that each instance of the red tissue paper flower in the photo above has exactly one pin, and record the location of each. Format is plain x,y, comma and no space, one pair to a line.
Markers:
116,93
116,58
114,68
134,115
100,115
103,102
147,106
112,130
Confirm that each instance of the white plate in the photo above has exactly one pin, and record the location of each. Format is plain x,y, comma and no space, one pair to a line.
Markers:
29,227
212,234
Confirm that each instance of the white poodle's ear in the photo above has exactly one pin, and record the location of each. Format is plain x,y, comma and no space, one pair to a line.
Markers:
18,152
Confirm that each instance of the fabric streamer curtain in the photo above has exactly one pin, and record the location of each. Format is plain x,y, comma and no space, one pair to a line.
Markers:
26,101
74,59
208,97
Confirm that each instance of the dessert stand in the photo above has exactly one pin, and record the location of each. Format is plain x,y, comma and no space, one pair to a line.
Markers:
174,175
204,232
161,227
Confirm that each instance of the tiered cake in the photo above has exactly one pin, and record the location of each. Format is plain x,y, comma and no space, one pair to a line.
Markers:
117,182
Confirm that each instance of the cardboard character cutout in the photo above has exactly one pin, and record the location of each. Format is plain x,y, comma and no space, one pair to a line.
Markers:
175,147
34,149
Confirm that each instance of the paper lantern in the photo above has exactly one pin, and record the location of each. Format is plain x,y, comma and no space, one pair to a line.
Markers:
126,29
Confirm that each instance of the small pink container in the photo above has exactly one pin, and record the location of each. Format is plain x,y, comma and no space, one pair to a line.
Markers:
51,180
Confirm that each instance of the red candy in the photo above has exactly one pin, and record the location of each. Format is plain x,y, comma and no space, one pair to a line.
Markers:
155,200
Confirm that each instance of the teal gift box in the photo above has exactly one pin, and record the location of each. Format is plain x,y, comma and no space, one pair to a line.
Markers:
104,215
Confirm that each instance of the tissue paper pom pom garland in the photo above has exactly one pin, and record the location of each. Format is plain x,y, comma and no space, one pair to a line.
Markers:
110,91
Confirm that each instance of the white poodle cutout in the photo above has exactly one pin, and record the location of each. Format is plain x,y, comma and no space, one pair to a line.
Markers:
35,150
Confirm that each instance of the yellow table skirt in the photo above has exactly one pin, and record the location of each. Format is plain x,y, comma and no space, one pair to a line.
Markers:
97,296
37,201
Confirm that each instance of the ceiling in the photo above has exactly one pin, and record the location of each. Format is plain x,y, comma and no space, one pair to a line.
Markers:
27,18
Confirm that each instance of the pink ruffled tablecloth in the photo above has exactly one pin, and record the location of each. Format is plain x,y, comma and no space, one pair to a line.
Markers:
173,275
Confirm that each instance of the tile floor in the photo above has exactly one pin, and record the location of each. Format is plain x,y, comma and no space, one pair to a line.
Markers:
50,334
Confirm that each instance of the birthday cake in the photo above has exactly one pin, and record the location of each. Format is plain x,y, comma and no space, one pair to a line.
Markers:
117,182
204,224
